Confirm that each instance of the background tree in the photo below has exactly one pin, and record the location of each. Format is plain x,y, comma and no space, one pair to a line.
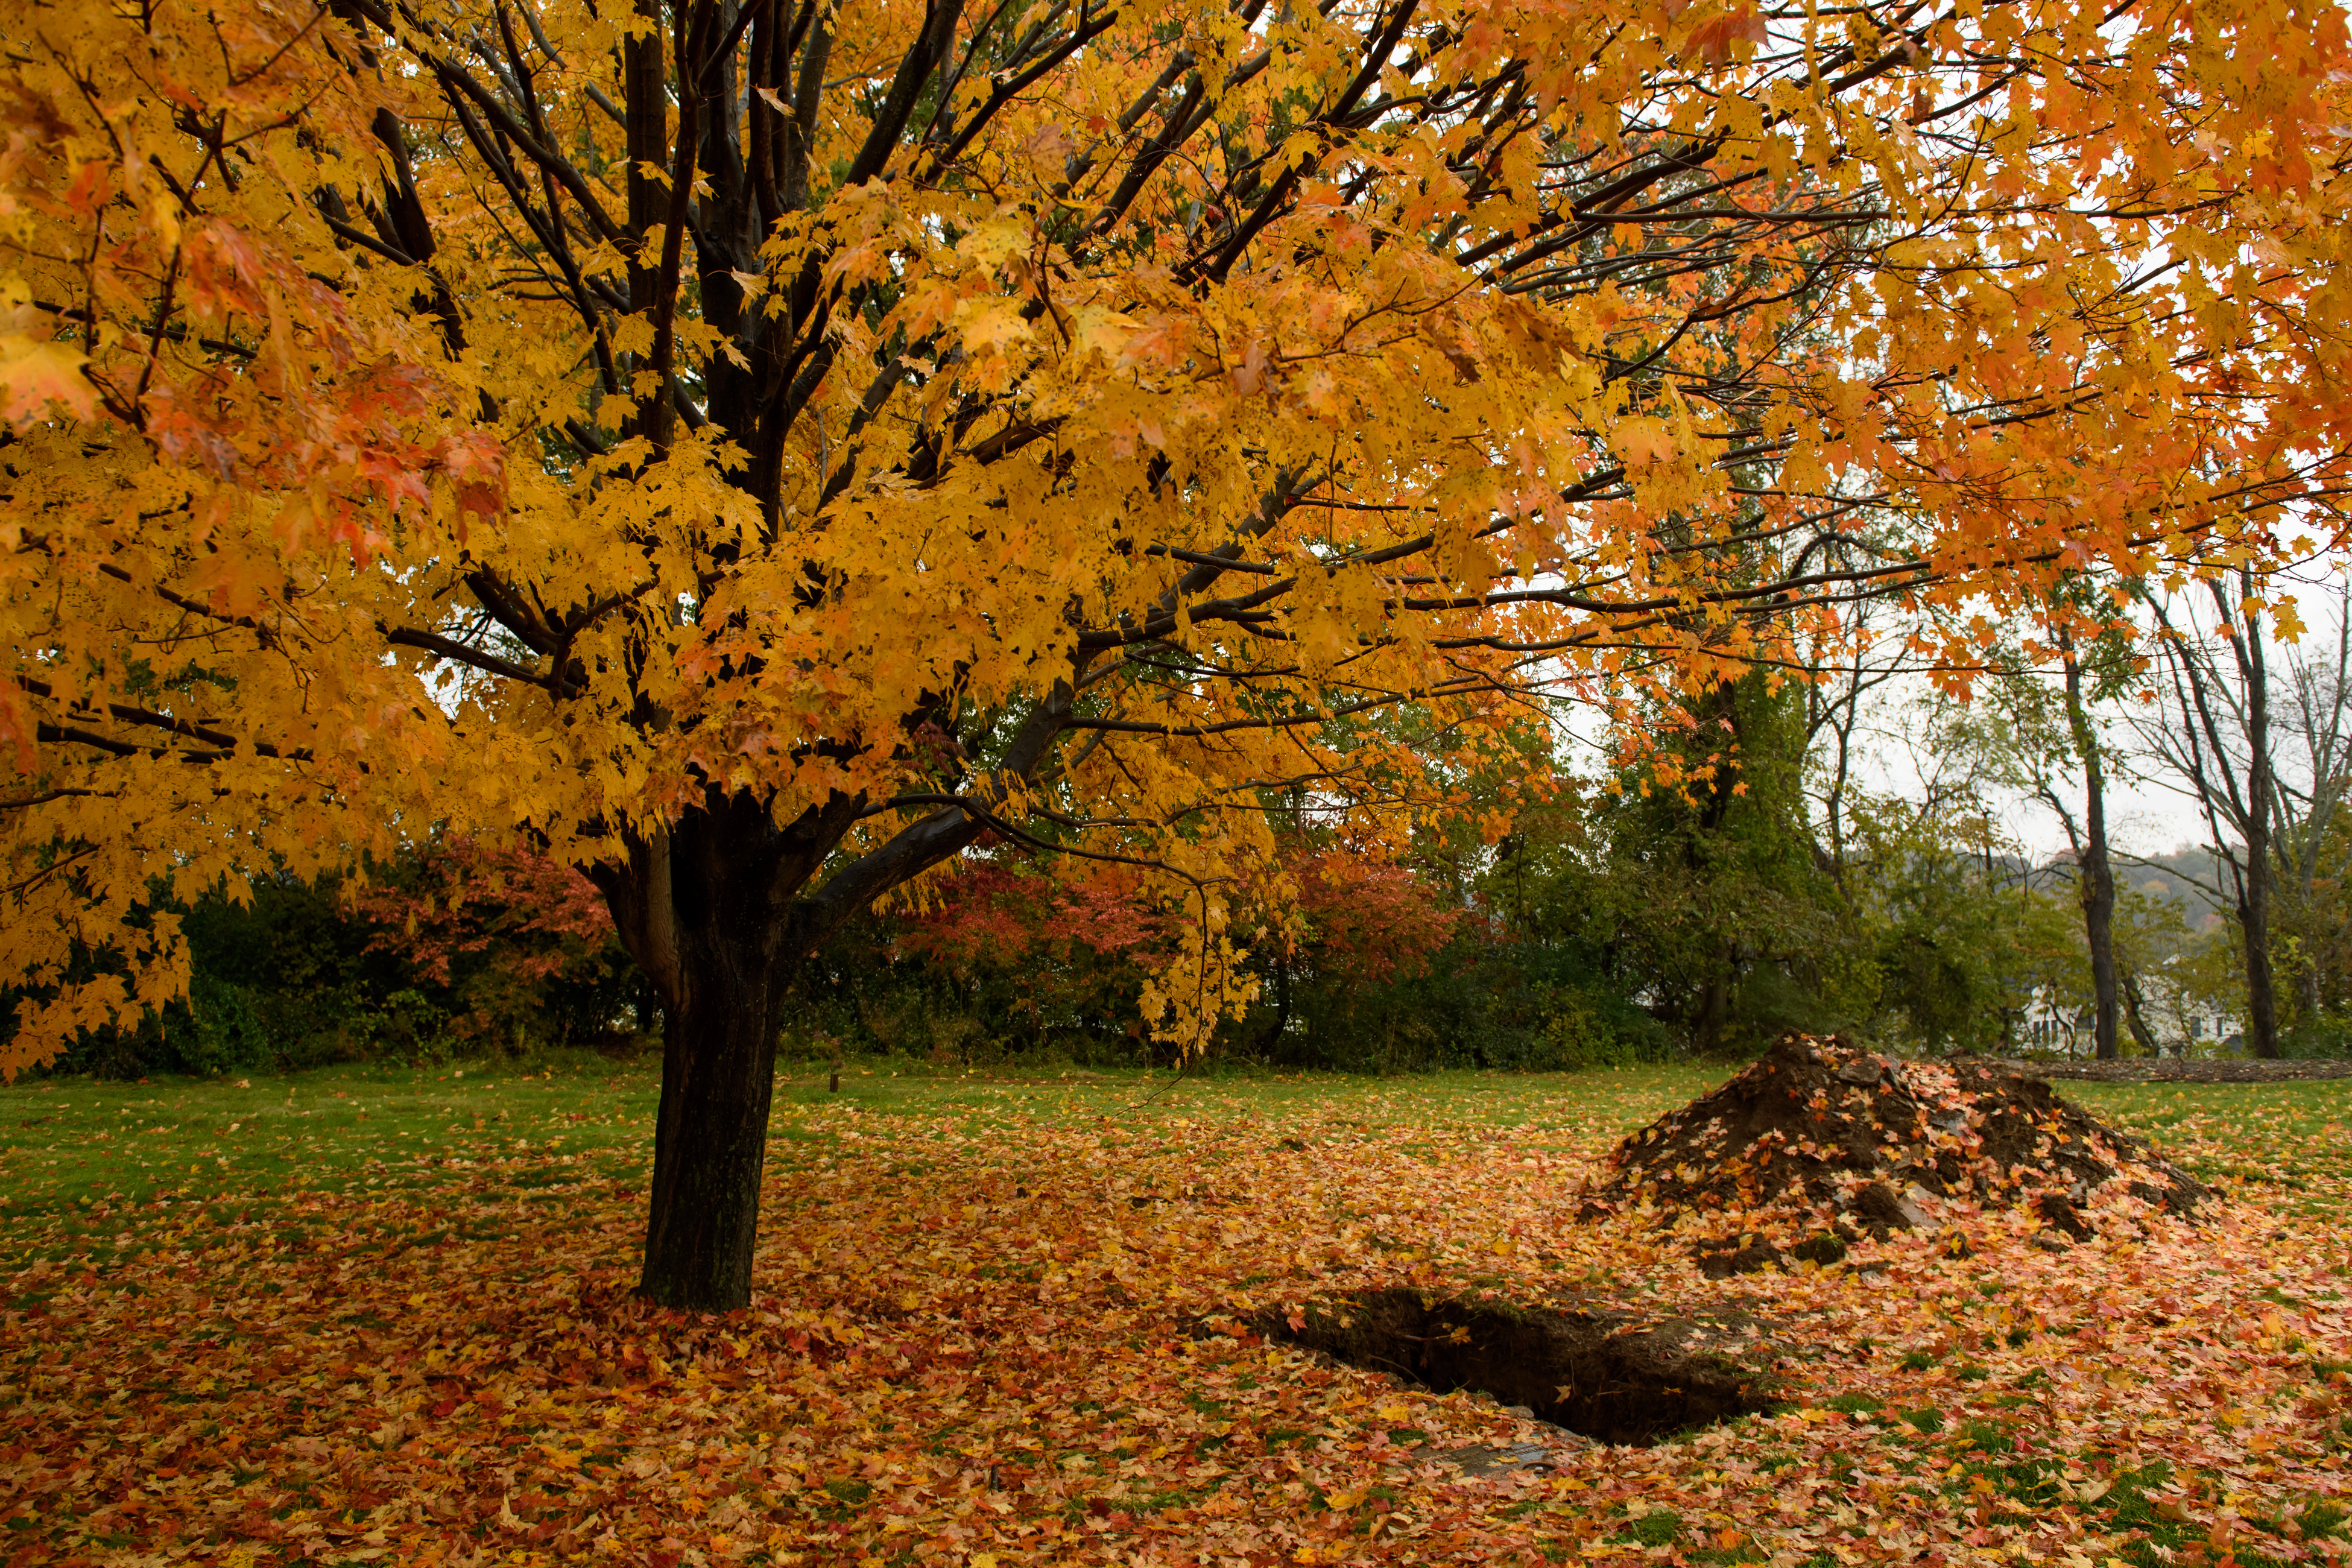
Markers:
458,949
511,941
2217,739
1941,907
2322,938
2315,725
756,449
1036,959
1715,871
2042,736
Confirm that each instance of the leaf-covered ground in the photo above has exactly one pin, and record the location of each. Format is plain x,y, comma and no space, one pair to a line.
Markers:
363,1316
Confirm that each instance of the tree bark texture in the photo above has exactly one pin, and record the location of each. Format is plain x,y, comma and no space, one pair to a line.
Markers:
2254,922
2254,886
2095,873
710,1140
707,910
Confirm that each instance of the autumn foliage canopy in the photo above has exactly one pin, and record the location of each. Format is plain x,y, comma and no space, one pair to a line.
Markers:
751,450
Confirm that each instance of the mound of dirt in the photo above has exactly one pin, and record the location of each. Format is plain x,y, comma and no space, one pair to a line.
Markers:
1822,1137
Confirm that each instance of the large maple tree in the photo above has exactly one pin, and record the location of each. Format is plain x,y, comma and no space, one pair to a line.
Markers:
753,450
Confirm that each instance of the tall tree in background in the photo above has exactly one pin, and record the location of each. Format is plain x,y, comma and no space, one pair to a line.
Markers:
2095,875
2311,792
2268,769
2217,682
2044,737
1708,838
753,449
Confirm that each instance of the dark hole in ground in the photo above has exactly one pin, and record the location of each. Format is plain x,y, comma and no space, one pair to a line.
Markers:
1606,1375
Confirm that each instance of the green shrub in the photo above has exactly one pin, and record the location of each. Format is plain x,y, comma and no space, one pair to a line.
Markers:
296,976
2327,1036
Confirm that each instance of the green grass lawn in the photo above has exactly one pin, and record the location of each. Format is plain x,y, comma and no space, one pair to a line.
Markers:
2278,1139
77,1156
77,1153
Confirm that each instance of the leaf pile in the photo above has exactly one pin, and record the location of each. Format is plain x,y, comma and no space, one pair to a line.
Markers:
1008,1323
1819,1134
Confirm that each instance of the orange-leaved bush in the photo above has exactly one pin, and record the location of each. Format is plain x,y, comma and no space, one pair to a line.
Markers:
500,926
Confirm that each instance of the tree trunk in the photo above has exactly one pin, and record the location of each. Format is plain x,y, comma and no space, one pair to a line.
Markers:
2254,888
2255,925
723,909
1270,1043
704,909
2135,1013
2095,873
710,1140
1713,1017
2098,925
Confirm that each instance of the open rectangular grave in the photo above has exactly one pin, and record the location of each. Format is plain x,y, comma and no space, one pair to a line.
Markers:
1607,1375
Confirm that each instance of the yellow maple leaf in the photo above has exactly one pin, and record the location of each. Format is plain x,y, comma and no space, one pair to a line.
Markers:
38,376
990,325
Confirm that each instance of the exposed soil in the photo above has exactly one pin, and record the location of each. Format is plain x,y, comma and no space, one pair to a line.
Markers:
2174,1070
1608,1376
1820,1143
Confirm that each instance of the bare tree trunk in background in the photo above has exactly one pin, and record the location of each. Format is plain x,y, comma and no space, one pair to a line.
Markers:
2135,1009
2093,875
2221,751
2254,886
2315,702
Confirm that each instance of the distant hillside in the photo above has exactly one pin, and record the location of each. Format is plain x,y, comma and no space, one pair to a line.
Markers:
2187,875
2184,875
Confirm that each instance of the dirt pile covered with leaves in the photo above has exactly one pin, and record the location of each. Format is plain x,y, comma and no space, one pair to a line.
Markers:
1821,1144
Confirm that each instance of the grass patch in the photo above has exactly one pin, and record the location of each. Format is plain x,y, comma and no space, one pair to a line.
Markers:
78,1155
1660,1526
2321,1519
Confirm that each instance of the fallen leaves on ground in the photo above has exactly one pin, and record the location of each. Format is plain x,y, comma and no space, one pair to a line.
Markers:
1017,1338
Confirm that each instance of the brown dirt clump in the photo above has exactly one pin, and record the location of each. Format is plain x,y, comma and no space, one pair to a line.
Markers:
1821,1140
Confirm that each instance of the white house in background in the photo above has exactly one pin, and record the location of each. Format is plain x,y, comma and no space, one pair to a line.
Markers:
2186,1026
2053,1027
2196,1031
2181,1026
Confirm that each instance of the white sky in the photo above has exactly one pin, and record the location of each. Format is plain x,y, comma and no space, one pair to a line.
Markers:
2143,818
2145,815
